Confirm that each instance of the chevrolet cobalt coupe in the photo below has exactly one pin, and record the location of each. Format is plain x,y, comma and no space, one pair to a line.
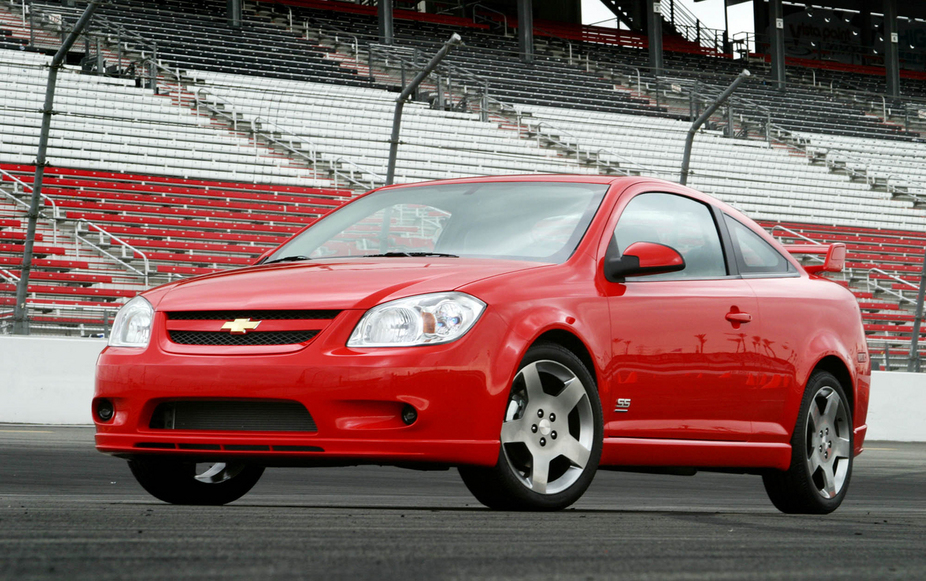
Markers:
526,330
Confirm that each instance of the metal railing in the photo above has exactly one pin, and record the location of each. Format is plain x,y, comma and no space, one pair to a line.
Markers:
375,178
874,286
690,27
24,185
477,17
8,276
103,235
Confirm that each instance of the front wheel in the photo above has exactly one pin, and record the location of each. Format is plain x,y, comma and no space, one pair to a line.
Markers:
185,482
821,452
551,436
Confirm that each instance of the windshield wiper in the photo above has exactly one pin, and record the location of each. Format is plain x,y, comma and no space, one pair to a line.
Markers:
288,259
402,254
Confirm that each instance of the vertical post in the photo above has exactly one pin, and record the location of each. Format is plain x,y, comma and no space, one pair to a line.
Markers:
400,102
891,53
526,30
100,63
776,23
440,93
914,362
384,11
654,30
20,316
233,13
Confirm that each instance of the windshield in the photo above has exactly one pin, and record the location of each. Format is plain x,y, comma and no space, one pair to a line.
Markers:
541,221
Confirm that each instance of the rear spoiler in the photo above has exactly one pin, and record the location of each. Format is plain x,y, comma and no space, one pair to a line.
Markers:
835,253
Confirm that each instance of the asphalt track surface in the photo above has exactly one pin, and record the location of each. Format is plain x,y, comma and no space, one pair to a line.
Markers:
68,512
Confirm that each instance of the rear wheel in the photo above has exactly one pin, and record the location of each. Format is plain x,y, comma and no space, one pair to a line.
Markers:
550,437
821,452
185,482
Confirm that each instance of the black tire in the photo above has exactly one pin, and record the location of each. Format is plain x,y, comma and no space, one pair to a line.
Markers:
184,482
822,451
530,438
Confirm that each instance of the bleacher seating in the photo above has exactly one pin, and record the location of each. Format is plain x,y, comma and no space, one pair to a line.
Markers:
883,269
158,175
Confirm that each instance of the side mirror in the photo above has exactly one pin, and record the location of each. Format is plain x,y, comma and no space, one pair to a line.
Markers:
643,258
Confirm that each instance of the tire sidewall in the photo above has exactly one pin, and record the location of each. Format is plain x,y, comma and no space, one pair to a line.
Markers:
527,498
799,465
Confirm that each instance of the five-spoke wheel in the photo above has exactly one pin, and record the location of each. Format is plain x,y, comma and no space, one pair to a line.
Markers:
821,452
550,436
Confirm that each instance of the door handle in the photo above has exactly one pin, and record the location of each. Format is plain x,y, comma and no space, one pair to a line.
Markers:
738,317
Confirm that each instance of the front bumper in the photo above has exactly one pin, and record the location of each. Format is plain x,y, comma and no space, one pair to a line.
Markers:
355,397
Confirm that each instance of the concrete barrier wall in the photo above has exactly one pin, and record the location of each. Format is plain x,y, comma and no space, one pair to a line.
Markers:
47,380
50,381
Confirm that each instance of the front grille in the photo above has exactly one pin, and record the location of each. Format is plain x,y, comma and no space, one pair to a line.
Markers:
233,415
252,338
265,315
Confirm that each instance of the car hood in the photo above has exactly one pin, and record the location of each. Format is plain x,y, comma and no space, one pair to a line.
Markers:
337,284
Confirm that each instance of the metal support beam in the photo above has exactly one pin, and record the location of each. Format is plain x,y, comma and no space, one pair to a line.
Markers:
386,33
654,32
689,139
776,24
234,10
891,54
455,40
914,362
20,314
526,30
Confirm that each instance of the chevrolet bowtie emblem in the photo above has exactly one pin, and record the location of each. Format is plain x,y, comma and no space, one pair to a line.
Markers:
240,326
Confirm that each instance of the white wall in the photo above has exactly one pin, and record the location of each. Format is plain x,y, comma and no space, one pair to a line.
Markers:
47,380
50,381
898,404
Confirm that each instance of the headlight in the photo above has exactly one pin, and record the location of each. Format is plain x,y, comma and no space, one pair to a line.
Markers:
132,327
421,320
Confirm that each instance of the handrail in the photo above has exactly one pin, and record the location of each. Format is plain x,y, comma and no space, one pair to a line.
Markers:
350,177
873,283
54,207
891,182
313,156
98,21
125,245
344,32
689,20
487,9
578,149
8,276
795,234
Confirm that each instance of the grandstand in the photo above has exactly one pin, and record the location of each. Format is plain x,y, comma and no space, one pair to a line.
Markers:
182,145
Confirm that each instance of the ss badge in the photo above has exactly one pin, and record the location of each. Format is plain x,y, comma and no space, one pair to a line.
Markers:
622,405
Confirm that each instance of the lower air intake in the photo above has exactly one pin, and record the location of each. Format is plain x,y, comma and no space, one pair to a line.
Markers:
233,416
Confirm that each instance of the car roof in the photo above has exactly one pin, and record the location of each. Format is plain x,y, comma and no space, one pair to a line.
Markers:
582,178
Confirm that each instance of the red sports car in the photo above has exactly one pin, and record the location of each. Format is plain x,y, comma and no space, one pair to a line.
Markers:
526,330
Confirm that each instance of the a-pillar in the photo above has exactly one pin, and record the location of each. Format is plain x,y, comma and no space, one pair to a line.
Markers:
891,54
526,30
776,25
386,34
654,32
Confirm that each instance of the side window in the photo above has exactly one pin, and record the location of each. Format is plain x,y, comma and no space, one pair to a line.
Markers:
682,223
753,254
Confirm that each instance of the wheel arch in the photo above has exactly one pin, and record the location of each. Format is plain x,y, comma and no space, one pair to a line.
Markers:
571,342
838,369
